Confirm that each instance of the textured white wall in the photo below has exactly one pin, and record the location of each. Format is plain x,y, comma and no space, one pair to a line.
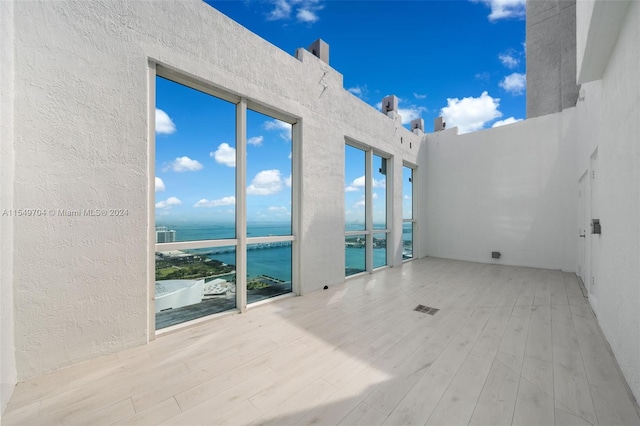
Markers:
607,119
505,189
81,122
7,357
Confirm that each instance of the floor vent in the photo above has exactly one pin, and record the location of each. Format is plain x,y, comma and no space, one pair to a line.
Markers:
426,309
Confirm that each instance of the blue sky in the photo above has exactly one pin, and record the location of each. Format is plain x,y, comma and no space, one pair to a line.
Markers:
431,54
460,59
195,160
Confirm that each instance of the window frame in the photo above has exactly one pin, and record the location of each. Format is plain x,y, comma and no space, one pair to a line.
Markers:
369,230
413,220
242,240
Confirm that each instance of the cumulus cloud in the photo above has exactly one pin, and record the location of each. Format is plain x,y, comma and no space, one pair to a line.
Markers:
419,96
224,201
359,91
306,10
514,83
164,124
255,141
360,183
182,164
470,114
159,185
225,154
287,181
504,9
168,203
506,121
407,112
306,15
280,126
281,10
267,182
410,113
508,60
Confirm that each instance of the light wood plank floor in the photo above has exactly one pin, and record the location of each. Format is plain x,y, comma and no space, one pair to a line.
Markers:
509,346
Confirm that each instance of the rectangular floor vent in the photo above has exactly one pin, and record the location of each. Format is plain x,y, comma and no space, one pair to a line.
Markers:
426,309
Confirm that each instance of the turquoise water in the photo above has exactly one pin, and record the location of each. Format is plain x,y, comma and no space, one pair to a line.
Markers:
275,260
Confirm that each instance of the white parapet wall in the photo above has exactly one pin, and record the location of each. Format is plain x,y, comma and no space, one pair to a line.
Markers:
504,189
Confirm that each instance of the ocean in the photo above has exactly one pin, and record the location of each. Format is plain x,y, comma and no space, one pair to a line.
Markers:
271,260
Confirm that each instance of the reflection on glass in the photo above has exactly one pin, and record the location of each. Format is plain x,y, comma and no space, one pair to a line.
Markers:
268,176
379,250
379,192
354,203
268,270
355,246
194,283
407,193
195,165
407,240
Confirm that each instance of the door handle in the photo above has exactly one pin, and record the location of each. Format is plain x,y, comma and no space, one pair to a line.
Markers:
582,236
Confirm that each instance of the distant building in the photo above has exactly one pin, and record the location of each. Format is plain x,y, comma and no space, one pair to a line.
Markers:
164,235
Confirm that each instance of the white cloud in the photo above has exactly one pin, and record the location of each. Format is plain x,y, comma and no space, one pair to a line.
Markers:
281,10
290,155
410,113
504,9
224,201
164,124
359,91
407,112
278,210
360,182
182,164
508,60
419,96
159,185
470,114
168,203
307,10
506,121
306,15
266,182
255,141
407,197
225,154
281,126
514,83
287,181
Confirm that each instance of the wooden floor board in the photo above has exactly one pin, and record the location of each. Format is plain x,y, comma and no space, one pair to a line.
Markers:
509,345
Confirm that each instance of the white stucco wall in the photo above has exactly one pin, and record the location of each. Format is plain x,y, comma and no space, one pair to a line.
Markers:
504,189
81,123
607,119
8,372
